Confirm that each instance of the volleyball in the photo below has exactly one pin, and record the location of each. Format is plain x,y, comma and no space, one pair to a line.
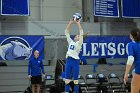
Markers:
77,16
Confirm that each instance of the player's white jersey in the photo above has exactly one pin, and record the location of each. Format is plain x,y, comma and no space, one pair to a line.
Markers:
74,50
74,47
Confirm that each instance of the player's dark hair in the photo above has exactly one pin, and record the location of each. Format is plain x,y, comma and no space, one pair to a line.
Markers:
135,34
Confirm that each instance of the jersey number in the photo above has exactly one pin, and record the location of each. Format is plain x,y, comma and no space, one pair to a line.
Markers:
72,47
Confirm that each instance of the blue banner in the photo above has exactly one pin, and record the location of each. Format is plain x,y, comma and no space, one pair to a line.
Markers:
106,8
15,7
131,8
105,47
20,47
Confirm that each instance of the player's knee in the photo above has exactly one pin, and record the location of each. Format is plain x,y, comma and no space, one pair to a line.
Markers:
76,82
67,81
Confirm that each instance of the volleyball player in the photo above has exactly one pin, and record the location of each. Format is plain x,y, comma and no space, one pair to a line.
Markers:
134,58
72,62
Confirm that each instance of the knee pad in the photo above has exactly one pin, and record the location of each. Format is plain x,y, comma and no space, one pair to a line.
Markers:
67,81
76,82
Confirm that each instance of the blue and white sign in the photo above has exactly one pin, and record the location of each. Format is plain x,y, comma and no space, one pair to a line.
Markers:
105,47
131,8
20,47
106,8
15,7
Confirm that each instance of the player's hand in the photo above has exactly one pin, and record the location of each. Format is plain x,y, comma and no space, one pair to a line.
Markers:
29,77
43,76
78,22
71,21
125,79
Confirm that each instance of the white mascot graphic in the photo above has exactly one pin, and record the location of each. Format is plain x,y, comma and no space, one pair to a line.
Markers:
15,49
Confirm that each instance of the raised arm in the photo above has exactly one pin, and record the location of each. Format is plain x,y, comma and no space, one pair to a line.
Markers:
68,30
81,32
